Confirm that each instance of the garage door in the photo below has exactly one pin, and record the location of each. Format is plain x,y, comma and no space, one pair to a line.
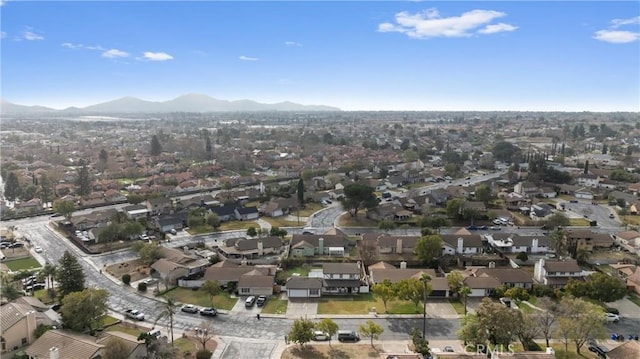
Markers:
438,293
297,293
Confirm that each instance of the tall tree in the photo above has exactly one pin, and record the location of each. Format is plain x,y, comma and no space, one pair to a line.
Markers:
371,330
385,290
455,280
156,147
464,292
12,187
85,310
46,189
483,193
168,311
70,275
498,321
429,248
327,326
83,182
546,319
580,321
301,192
358,197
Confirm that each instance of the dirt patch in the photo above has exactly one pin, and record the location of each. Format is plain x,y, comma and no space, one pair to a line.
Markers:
135,268
335,351
14,253
211,346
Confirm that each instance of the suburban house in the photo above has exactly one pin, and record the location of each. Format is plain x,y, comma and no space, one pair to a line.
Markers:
482,286
309,245
304,287
629,240
342,278
555,273
246,213
630,349
387,244
64,344
462,243
94,219
136,211
587,240
251,248
176,221
176,264
381,271
509,277
588,180
17,324
515,243
225,213
159,205
227,273
526,189
540,211
168,271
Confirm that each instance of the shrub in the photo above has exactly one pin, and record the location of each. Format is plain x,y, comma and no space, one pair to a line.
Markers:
522,256
203,354
142,286
126,279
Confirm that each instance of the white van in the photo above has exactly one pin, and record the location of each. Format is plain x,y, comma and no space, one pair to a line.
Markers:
2,257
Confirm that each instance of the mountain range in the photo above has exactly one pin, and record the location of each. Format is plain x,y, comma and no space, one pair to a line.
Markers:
185,103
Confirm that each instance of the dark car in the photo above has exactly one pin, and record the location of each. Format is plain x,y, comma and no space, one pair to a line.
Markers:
261,300
209,312
598,349
189,309
472,228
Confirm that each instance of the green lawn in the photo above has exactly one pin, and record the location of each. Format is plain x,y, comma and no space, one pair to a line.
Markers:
283,222
185,345
125,329
578,222
200,298
234,225
275,306
363,303
309,209
635,299
22,264
301,271
459,307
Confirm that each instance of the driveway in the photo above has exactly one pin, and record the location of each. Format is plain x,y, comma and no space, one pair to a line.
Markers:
298,308
440,308
627,308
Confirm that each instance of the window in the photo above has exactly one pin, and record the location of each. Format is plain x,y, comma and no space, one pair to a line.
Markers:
245,290
314,291
24,341
4,343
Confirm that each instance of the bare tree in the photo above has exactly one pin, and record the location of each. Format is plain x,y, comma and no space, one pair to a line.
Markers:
368,251
547,318
204,333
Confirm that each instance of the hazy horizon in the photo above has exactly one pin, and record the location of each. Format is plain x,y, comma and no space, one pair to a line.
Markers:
357,56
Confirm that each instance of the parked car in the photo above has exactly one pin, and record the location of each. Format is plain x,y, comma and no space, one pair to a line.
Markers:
599,350
319,335
348,336
250,301
173,231
17,245
209,312
155,332
134,314
611,215
448,349
610,317
37,249
189,308
261,300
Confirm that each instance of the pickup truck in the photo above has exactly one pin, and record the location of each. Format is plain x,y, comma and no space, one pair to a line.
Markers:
134,314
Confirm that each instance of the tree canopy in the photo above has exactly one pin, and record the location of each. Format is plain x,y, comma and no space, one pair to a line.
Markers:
371,330
598,286
358,197
429,248
301,331
70,275
85,310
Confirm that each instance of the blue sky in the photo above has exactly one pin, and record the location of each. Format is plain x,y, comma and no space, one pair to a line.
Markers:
429,55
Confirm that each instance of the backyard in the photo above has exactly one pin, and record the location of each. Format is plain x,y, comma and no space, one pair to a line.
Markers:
199,298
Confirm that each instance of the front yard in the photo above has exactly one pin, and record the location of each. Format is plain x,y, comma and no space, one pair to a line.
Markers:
335,351
200,298
275,306
363,304
21,264
135,268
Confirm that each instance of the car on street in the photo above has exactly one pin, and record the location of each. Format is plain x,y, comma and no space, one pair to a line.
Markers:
189,308
38,249
448,349
320,336
611,215
612,318
134,314
208,312
250,301
261,300
599,350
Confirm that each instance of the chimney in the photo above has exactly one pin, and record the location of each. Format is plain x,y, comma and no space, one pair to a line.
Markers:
534,245
320,246
260,247
460,245
403,265
54,353
492,264
399,245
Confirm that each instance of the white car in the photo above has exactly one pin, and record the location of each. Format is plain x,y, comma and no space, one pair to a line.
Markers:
320,335
610,317
38,249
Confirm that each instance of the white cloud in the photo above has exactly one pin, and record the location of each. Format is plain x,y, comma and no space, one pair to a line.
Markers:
292,44
3,34
616,37
429,23
69,45
31,36
622,22
501,27
157,56
114,53
613,36
247,58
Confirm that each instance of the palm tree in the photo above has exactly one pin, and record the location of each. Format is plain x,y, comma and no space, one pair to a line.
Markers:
464,292
49,272
168,311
